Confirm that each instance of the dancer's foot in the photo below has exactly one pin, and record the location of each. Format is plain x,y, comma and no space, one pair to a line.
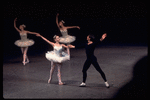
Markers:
61,83
24,63
49,81
82,84
107,85
27,61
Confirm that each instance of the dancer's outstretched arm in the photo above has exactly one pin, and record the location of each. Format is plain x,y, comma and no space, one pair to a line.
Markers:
25,31
32,33
69,46
45,39
68,27
103,36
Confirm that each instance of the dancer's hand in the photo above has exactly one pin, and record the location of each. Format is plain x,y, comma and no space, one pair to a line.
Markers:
15,19
71,46
57,14
78,27
103,36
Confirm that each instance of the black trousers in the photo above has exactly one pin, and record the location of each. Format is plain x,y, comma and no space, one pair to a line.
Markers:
88,62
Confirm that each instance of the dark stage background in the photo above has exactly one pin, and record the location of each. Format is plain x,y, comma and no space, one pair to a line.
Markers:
124,22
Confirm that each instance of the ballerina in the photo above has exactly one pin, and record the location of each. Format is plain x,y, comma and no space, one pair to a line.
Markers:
24,43
57,56
66,39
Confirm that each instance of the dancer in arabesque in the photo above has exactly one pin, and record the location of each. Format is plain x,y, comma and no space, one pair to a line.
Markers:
57,56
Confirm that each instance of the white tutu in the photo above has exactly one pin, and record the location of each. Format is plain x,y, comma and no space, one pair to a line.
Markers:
57,55
66,38
24,41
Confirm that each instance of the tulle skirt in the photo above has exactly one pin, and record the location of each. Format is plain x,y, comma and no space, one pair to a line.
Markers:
67,39
51,56
24,43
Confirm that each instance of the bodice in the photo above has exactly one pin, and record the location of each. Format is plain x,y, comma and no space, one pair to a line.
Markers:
64,32
23,36
58,50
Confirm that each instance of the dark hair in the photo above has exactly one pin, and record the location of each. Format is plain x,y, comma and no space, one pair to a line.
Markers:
92,37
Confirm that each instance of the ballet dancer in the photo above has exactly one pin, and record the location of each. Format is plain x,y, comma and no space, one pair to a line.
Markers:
57,56
91,59
24,43
66,39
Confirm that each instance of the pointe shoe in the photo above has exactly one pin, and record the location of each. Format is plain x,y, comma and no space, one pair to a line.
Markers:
24,63
61,83
27,62
49,81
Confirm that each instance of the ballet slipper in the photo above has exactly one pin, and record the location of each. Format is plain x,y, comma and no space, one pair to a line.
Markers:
27,61
49,81
61,83
24,63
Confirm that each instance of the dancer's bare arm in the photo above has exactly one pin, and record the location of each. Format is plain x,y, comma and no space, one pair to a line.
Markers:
16,26
45,39
69,46
68,27
103,36
35,33
57,20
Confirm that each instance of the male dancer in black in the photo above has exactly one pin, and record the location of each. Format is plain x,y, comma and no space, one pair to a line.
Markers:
91,59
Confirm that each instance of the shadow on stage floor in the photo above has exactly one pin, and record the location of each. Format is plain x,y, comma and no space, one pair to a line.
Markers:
30,81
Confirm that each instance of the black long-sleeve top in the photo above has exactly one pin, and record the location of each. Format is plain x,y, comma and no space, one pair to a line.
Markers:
89,48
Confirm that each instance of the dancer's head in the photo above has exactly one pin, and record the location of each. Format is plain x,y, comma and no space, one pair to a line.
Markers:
21,27
90,37
56,38
61,23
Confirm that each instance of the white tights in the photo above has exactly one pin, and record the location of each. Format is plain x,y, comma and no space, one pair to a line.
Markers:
58,66
25,57
58,73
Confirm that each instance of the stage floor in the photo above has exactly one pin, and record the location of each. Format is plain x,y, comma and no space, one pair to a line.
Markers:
30,81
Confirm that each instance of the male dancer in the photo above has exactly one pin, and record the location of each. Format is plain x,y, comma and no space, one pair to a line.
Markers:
91,59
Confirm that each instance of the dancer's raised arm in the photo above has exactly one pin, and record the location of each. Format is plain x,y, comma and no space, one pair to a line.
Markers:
16,26
60,25
57,20
45,39
103,36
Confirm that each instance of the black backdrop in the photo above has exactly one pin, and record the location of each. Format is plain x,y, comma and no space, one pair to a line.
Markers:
124,22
